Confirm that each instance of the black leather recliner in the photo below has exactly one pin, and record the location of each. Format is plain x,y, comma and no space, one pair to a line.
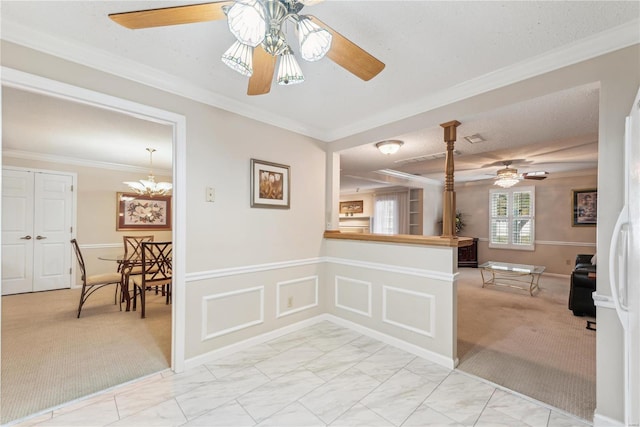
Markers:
582,287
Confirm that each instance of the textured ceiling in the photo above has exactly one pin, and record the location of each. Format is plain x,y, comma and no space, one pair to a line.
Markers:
432,50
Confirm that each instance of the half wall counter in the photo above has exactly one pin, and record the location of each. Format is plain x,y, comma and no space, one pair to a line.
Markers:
400,289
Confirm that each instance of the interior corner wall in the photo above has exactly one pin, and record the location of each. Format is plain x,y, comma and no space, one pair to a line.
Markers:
227,240
557,241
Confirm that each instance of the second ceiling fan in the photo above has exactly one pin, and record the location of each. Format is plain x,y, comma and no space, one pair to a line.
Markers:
260,40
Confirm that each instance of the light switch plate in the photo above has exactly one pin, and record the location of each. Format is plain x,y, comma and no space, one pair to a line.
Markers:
211,194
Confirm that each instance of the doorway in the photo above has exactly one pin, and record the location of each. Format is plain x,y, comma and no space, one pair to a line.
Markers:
81,97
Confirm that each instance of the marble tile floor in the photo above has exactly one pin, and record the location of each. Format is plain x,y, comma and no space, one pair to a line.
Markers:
322,375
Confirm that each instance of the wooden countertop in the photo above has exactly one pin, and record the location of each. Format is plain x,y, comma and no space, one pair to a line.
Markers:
401,238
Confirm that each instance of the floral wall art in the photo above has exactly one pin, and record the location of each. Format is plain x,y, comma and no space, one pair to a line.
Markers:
137,212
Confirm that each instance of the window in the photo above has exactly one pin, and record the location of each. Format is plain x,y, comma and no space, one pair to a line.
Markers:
391,214
511,218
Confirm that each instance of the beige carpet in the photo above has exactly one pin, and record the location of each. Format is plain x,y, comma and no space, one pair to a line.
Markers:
532,345
50,357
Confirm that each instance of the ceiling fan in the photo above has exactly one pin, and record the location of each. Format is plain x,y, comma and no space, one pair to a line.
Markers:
260,40
508,176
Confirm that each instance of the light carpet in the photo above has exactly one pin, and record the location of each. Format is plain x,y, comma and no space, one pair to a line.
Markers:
50,357
532,345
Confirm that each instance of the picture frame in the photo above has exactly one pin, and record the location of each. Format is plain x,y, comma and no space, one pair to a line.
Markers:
584,207
270,185
136,212
352,207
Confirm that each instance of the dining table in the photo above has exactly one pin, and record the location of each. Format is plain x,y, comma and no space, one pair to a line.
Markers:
122,264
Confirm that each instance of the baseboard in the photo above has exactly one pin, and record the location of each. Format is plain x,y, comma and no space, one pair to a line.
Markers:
268,336
250,342
396,342
603,421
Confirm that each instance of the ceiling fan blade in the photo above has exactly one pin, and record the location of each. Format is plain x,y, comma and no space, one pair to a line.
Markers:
350,56
538,176
171,15
264,65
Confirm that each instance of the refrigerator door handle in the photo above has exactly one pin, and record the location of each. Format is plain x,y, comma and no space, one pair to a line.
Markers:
621,310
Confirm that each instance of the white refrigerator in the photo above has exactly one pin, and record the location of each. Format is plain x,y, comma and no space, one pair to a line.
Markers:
624,266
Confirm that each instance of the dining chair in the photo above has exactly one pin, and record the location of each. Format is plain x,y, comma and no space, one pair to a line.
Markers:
90,284
156,271
132,255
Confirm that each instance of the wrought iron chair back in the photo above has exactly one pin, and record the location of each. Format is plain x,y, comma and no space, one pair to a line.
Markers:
90,284
156,271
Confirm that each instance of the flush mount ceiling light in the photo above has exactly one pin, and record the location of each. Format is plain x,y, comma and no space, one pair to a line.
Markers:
149,187
390,146
260,31
507,177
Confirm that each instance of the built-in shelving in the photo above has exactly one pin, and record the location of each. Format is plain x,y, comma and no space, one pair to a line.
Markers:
415,211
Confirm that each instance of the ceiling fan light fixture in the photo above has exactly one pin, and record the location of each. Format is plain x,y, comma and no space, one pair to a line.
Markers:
275,42
507,177
239,57
289,72
315,41
390,146
247,22
149,187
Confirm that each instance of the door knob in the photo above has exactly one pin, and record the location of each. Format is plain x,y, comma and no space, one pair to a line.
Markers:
26,237
40,237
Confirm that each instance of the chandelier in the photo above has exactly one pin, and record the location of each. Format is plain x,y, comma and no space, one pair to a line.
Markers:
261,22
507,177
149,187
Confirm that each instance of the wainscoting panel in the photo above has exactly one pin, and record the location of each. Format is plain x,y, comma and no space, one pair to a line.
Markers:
410,310
293,296
231,311
353,295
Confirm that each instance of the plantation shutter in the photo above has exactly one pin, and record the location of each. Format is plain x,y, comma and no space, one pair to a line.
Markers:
499,217
511,218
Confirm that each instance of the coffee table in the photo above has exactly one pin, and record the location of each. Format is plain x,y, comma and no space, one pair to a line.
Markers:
519,276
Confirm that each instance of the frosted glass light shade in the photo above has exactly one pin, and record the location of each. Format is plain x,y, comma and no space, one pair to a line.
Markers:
289,72
239,57
315,42
246,19
389,147
149,187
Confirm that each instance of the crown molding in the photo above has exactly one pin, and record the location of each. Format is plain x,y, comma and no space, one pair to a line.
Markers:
590,47
52,158
101,60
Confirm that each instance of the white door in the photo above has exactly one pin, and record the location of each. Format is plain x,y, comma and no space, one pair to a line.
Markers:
17,231
36,231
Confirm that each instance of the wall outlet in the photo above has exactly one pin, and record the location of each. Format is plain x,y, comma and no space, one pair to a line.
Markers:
289,302
568,262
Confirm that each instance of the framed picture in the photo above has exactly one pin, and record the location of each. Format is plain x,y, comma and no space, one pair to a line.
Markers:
135,212
270,185
351,207
585,207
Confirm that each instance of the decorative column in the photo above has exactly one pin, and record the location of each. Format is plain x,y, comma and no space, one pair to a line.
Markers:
449,195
